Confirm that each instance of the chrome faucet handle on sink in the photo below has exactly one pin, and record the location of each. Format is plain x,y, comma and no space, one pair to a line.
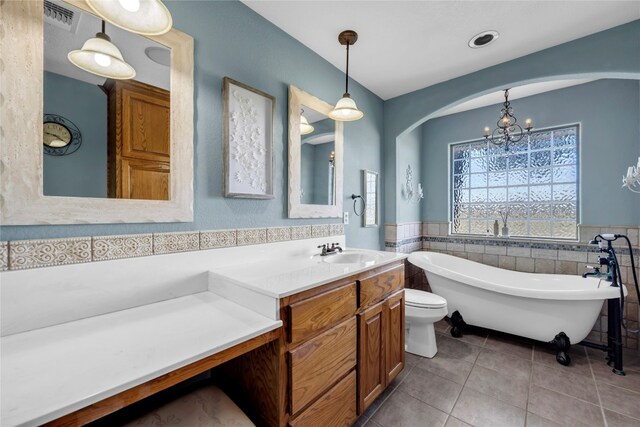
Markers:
324,250
336,247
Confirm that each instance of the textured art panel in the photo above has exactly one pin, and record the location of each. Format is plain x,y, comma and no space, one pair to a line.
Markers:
248,142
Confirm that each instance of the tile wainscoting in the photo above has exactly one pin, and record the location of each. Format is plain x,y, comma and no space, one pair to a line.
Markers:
534,256
24,254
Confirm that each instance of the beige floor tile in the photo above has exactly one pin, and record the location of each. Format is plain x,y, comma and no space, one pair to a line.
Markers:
454,422
513,366
456,348
619,400
481,410
503,387
604,375
431,389
446,366
509,345
544,355
617,420
534,420
563,409
403,410
558,379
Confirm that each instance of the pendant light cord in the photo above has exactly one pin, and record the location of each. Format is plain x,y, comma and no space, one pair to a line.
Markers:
346,77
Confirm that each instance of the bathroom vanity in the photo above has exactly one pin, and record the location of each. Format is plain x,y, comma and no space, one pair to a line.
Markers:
342,343
294,338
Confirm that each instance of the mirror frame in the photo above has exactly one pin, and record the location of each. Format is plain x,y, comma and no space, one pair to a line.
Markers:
365,174
21,102
298,98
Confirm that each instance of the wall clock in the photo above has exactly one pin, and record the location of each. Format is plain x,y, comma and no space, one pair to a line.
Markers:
60,136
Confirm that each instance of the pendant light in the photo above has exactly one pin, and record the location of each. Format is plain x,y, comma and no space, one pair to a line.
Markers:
305,127
346,109
146,17
101,57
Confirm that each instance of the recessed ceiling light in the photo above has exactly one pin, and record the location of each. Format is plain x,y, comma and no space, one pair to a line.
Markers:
483,39
159,55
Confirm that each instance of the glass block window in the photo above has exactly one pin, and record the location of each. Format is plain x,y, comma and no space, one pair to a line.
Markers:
536,181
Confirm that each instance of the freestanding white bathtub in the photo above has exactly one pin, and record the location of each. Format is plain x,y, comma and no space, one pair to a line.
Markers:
536,306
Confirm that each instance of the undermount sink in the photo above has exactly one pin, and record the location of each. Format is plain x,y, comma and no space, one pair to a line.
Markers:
351,257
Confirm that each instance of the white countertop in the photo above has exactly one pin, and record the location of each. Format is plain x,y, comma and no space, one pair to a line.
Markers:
53,371
279,278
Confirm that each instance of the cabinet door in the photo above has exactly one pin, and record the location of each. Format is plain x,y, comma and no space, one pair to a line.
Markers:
145,124
394,308
371,366
142,179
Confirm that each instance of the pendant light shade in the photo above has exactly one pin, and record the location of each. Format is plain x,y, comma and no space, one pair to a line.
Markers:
346,109
101,57
146,17
305,127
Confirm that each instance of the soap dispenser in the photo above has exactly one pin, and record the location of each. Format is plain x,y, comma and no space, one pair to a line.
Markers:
495,228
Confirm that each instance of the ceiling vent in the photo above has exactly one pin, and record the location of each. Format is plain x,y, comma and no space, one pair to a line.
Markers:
60,16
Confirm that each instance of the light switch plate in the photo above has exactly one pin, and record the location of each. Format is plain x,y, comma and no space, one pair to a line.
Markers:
345,218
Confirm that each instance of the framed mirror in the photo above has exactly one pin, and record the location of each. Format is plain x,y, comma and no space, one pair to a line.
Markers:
370,192
155,151
315,158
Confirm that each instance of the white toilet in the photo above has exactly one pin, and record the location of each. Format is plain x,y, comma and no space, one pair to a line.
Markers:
421,310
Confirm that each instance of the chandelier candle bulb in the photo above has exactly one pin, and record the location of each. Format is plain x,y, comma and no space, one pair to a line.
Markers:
486,131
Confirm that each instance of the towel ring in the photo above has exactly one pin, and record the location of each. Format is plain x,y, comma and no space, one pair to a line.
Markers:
355,198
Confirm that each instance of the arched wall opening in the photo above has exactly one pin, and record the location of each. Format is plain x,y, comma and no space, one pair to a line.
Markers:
611,54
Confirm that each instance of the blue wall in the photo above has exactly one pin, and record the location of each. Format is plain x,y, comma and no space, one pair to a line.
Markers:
608,113
232,40
609,54
83,173
408,153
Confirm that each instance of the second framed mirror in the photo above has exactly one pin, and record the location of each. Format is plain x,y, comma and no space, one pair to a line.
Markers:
315,158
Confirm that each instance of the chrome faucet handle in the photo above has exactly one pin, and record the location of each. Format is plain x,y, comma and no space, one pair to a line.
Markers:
324,249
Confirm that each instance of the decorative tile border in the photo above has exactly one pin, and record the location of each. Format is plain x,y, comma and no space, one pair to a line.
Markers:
165,243
125,246
46,253
320,230
252,236
217,239
278,234
24,254
4,256
299,232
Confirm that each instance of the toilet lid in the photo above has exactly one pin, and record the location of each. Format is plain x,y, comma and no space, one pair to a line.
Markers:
416,298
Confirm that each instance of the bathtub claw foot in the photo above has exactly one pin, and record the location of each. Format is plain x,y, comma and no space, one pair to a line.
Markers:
563,358
561,344
457,324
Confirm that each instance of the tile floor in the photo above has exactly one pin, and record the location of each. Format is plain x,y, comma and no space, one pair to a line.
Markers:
491,379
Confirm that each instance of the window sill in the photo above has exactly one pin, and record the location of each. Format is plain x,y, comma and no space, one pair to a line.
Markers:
516,239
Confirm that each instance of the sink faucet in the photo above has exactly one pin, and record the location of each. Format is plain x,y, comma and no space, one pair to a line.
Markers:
330,250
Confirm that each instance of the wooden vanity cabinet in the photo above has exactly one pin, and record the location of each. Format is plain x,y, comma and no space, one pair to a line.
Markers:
381,335
344,345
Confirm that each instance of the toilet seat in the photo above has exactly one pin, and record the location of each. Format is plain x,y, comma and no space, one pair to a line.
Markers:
422,299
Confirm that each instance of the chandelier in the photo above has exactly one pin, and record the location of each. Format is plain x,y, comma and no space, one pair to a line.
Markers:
508,131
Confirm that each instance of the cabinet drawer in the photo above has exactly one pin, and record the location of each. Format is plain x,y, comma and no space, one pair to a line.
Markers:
318,363
313,315
336,408
376,288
